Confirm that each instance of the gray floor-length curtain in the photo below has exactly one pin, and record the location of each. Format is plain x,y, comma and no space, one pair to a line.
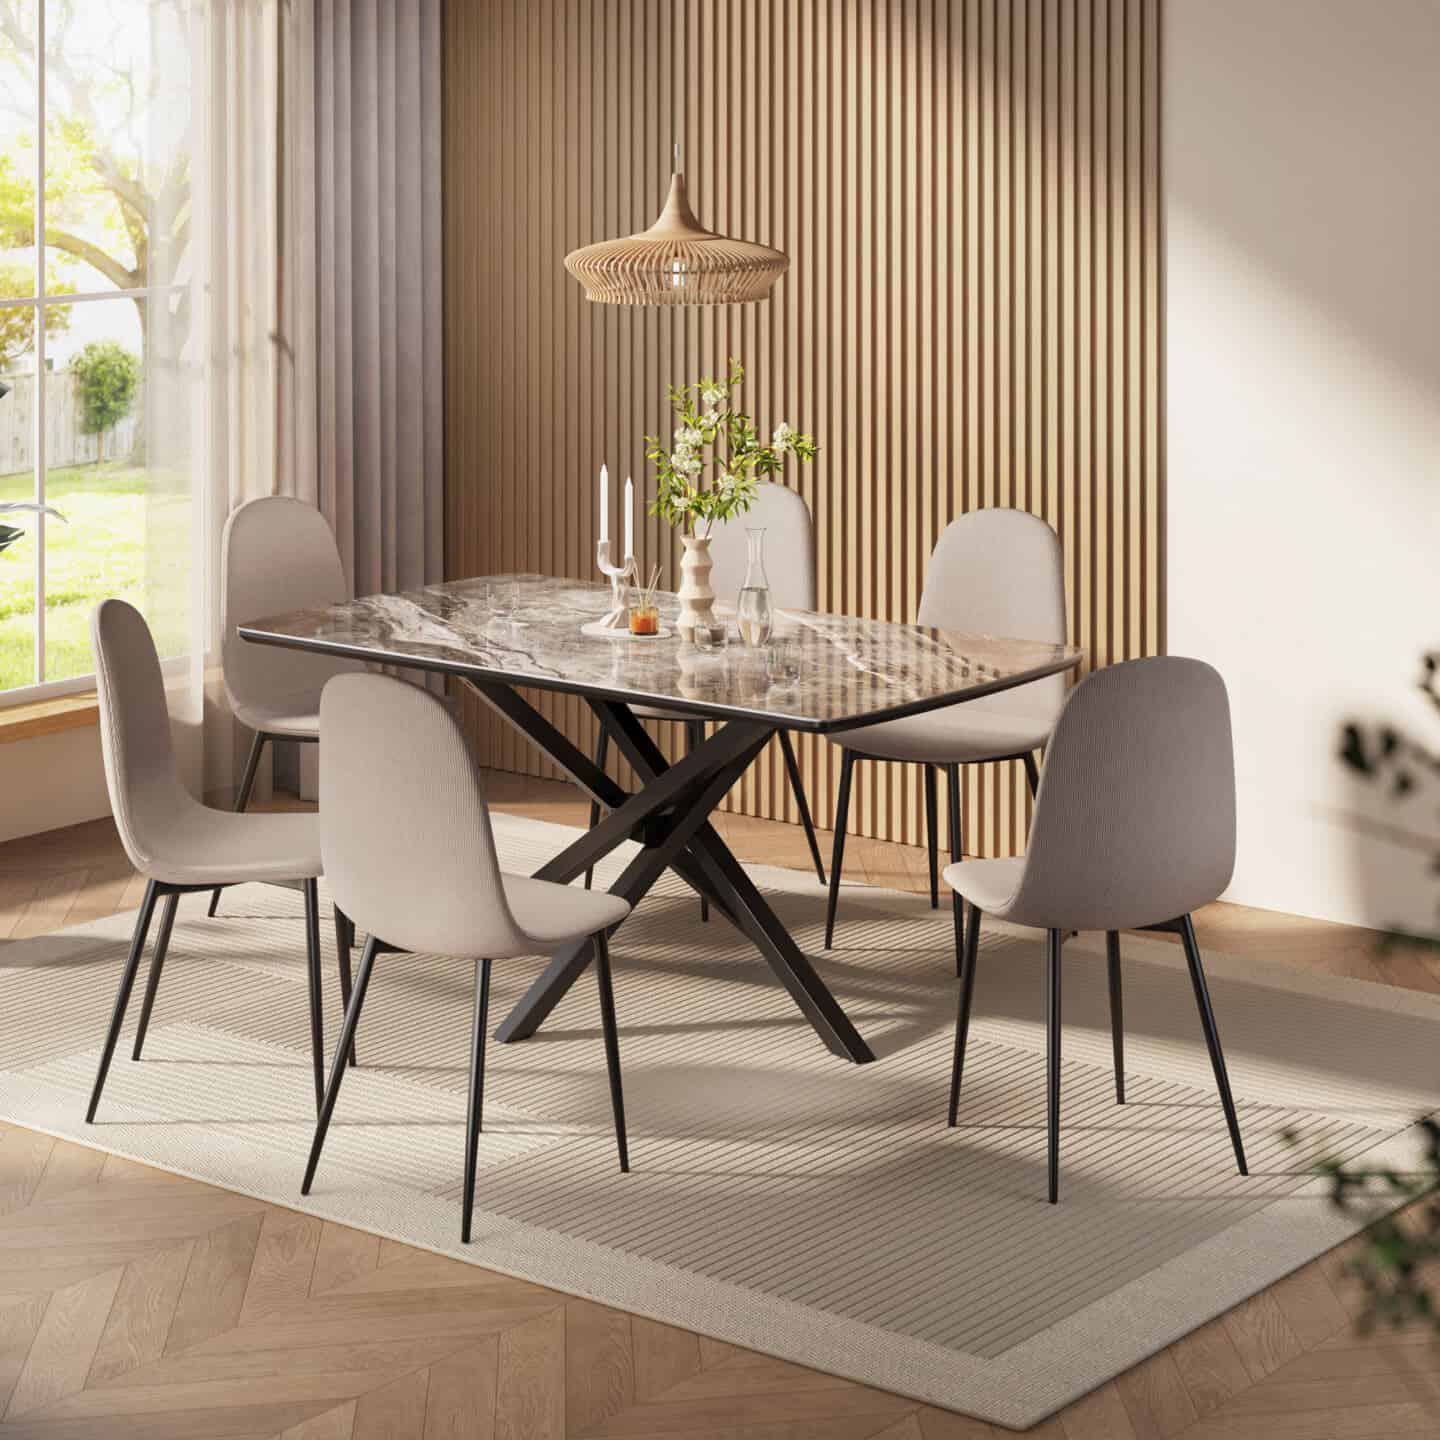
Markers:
376,278
318,203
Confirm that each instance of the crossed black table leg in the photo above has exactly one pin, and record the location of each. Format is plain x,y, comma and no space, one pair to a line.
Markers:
669,815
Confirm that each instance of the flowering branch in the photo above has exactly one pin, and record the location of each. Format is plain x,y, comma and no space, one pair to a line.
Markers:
710,431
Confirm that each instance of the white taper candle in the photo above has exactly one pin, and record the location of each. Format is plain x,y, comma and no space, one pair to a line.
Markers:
629,518
604,503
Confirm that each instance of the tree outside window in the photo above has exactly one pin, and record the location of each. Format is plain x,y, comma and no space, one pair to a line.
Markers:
101,179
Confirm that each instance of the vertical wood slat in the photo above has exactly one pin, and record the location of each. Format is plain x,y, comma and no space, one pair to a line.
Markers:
968,192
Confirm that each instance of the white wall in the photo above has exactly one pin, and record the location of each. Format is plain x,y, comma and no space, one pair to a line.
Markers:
50,781
1301,174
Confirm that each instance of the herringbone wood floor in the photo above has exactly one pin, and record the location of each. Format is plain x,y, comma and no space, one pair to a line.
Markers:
137,1304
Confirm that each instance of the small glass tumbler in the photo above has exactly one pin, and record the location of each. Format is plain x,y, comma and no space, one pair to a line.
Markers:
783,661
505,600
712,637
644,619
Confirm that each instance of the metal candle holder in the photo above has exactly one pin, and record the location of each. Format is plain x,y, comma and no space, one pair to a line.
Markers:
617,618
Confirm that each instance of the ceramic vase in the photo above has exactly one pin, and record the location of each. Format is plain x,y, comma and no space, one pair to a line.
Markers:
696,597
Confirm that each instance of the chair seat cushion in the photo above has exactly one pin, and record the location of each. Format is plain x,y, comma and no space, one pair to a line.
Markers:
958,734
989,885
201,846
553,915
297,717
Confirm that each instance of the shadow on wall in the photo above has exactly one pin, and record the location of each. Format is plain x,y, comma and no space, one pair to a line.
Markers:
1302,422
1404,772
1357,100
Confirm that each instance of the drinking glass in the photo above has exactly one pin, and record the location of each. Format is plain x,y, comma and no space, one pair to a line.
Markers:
712,637
783,661
507,601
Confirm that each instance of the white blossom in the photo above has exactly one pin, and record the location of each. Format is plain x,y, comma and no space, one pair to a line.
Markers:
780,440
727,485
712,417
688,436
686,461
711,396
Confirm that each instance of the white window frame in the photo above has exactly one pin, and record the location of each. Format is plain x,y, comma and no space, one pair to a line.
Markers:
40,688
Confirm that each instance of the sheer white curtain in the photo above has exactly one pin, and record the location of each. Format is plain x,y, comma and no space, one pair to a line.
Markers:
318,197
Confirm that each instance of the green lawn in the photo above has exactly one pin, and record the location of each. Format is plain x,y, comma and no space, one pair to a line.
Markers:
100,551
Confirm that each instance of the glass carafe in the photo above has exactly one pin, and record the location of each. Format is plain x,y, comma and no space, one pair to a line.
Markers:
753,609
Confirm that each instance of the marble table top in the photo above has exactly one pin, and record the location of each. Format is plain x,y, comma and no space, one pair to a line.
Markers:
852,671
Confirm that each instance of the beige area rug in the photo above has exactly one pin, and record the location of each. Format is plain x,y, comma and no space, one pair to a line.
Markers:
780,1198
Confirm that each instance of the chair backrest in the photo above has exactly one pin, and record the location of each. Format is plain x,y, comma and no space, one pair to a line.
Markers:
1135,820
277,554
404,832
1000,572
789,549
140,773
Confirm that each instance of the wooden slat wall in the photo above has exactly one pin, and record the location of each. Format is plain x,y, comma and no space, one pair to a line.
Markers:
968,193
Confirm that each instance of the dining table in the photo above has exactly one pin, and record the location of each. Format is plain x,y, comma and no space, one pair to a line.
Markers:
502,635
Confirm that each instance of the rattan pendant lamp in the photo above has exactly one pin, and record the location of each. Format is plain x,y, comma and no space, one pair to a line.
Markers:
676,262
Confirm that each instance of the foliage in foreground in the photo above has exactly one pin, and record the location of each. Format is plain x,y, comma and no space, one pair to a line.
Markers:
1396,1268
1403,1250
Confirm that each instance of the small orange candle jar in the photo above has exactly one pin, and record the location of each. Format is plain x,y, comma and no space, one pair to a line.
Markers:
644,620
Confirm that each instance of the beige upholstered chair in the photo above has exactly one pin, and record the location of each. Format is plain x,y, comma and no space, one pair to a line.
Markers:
409,854
277,554
1134,828
993,572
790,565
176,843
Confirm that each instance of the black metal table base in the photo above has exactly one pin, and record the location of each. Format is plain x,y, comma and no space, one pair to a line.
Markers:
670,817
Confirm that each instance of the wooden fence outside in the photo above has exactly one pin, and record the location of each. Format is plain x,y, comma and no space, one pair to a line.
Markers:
65,442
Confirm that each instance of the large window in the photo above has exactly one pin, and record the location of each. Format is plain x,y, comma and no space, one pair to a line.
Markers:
94,219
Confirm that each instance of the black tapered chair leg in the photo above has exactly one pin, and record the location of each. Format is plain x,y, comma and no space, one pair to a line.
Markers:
1032,772
338,1067
957,903
602,749
837,856
1212,1038
612,1045
242,799
932,834
122,997
317,998
1117,1012
962,1015
1052,1065
344,943
474,1115
797,789
694,739
157,963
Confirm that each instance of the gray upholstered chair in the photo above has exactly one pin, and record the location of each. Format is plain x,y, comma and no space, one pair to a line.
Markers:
176,843
993,572
276,554
1134,828
790,565
408,850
